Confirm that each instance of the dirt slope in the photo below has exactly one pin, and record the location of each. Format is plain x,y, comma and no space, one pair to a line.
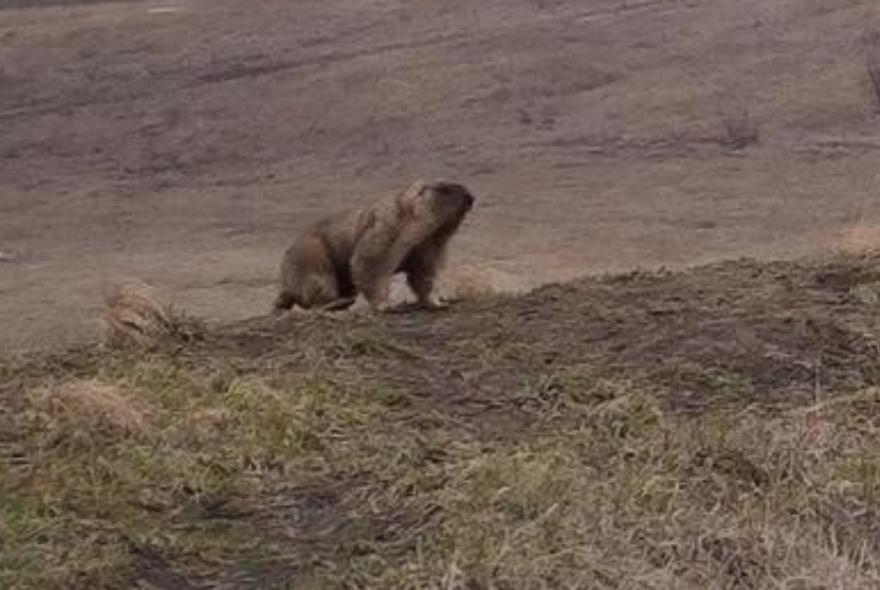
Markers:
186,142
776,333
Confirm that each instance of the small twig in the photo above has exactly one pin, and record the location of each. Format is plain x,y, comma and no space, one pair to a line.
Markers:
874,72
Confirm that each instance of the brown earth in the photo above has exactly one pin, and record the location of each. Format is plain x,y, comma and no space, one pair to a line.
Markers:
186,142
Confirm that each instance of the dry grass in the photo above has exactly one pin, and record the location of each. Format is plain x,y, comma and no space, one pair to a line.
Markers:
469,283
722,502
629,497
288,457
137,315
92,402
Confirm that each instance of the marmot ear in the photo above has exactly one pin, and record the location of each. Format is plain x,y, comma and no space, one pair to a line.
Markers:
414,189
409,198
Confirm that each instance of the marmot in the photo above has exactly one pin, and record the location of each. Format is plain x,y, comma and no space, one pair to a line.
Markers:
358,251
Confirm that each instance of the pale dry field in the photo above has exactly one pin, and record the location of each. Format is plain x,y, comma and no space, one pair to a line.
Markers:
185,143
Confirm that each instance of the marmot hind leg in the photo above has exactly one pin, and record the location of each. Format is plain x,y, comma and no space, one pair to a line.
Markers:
421,268
283,302
308,277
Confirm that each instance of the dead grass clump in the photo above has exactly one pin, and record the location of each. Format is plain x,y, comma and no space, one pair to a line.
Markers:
873,63
874,74
739,132
137,315
98,403
468,283
471,286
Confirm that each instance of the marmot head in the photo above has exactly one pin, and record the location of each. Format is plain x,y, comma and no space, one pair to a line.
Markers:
440,200
450,196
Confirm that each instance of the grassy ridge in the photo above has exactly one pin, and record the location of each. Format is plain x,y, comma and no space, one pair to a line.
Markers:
465,449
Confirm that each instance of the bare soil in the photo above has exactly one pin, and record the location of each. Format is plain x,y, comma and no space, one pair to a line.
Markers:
185,143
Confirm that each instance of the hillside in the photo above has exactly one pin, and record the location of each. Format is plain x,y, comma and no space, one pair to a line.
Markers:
715,427
187,141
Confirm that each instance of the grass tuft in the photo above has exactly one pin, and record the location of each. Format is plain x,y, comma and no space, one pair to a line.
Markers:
136,315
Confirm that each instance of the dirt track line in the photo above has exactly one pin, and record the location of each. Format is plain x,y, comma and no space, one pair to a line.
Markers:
54,4
645,147
61,108
839,145
631,9
239,72
235,73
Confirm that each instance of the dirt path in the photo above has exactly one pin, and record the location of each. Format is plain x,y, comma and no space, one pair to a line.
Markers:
186,142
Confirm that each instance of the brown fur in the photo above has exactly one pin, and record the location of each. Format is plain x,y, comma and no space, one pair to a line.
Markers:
358,251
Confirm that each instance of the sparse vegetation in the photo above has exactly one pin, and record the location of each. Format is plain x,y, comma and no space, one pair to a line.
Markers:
391,453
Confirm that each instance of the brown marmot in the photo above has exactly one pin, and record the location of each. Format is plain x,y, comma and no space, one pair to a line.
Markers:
358,251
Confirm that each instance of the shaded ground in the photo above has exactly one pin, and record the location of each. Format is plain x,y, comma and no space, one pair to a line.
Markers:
710,428
186,142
